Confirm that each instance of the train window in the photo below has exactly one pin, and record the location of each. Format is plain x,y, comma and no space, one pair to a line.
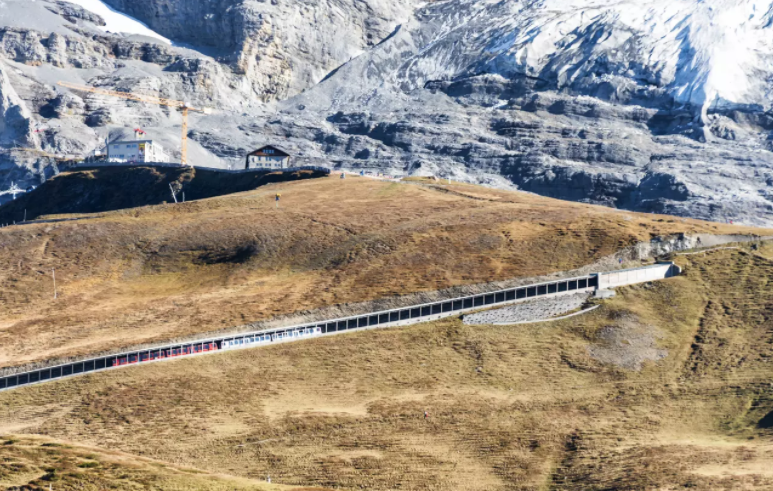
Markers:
394,316
415,313
467,302
12,382
436,309
34,377
77,368
373,320
542,289
331,327
383,318
531,291
101,363
45,374
573,285
499,297
352,323
488,299
2,383
478,301
88,366
56,372
510,295
447,307
582,283
405,314
426,310
24,379
552,288
593,281
562,287
341,325
362,322
457,305
144,356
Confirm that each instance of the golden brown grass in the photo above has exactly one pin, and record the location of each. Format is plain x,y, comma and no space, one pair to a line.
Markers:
522,407
152,273
34,463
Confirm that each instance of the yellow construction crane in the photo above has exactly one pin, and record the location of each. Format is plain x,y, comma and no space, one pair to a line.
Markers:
182,106
49,155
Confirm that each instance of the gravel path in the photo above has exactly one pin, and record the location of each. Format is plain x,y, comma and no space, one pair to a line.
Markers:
534,310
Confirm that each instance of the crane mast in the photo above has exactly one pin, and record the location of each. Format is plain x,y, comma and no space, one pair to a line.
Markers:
160,101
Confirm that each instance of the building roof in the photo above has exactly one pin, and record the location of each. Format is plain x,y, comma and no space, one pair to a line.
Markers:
277,151
130,141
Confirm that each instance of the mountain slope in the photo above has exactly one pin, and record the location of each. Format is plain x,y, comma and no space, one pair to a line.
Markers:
657,107
146,275
553,405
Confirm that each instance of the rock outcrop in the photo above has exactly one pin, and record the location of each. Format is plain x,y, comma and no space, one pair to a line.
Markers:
659,107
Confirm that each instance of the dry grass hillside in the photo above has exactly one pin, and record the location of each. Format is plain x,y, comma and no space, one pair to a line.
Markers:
34,463
148,274
666,386
98,189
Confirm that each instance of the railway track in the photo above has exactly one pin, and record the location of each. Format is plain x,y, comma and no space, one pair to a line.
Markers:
387,318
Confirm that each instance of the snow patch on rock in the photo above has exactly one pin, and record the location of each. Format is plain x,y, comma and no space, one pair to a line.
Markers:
117,21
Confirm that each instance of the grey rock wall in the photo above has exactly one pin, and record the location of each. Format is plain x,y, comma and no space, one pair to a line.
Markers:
398,86
282,46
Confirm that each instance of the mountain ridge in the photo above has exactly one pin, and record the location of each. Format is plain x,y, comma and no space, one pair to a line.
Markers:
607,102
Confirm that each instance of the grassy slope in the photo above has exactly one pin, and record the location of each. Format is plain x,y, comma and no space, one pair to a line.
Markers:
151,273
104,188
510,408
37,463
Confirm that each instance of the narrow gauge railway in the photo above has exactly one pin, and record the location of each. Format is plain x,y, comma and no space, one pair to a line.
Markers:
387,318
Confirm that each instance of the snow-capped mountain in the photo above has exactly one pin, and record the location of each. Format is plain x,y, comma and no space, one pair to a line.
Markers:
712,55
656,106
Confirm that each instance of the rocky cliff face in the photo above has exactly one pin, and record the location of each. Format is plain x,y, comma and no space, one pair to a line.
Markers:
282,46
657,107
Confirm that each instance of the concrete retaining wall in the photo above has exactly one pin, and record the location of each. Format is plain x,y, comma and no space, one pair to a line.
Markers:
637,275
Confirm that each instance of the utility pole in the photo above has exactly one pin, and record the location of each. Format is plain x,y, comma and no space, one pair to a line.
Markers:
53,275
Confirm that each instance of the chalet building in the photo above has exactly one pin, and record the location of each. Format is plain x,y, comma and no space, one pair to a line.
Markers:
268,157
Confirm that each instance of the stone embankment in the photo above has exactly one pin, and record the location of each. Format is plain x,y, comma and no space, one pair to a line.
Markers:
535,310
